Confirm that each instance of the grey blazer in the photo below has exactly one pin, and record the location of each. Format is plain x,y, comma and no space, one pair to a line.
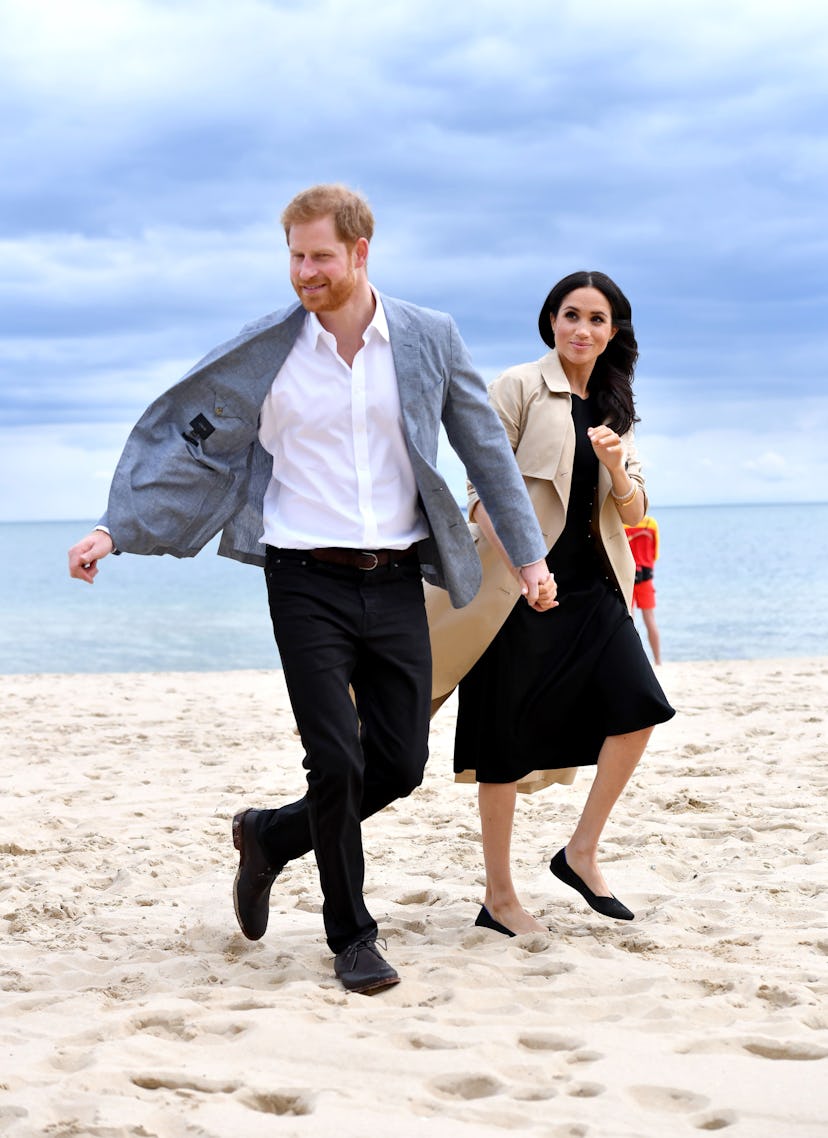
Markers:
193,464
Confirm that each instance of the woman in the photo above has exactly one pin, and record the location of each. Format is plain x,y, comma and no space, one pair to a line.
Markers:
570,685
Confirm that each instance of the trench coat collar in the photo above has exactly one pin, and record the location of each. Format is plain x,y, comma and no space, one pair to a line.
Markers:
553,460
553,374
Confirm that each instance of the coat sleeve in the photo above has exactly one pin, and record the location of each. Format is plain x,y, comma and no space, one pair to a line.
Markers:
633,465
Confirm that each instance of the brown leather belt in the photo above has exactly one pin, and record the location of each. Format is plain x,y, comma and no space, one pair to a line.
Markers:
365,559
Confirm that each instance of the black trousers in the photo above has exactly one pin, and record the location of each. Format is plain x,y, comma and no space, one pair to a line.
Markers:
338,628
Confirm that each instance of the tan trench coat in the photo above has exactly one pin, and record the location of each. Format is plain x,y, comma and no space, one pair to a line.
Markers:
533,401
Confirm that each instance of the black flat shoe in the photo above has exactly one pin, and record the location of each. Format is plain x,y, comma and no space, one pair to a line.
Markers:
486,921
606,906
254,877
362,968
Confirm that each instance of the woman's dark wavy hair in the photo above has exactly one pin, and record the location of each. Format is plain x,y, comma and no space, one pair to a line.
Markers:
611,380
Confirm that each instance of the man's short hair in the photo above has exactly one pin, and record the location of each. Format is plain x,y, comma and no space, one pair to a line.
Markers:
352,216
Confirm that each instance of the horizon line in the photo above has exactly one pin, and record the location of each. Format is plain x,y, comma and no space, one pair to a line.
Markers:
665,506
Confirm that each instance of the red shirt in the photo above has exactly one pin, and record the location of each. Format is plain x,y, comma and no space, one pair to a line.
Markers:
643,540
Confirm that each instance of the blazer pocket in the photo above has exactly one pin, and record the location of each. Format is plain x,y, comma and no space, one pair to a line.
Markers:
185,500
230,430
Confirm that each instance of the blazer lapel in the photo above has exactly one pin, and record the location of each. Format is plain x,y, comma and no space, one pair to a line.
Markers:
405,349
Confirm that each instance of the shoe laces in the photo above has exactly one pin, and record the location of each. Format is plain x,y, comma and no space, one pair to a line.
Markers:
370,943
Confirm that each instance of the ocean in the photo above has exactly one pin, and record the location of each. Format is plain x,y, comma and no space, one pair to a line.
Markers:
732,582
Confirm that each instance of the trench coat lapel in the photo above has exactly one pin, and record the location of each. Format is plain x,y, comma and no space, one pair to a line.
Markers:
546,448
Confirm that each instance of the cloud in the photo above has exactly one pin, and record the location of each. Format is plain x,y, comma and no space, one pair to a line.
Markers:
150,145
765,459
58,472
770,466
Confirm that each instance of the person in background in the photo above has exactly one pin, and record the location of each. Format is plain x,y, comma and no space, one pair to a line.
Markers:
310,441
571,683
643,539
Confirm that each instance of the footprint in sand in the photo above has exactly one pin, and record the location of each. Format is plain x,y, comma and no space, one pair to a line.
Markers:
546,969
267,1102
420,897
534,1094
777,997
176,1027
779,1049
641,945
546,1042
586,1090
419,1042
254,1004
307,905
400,925
585,1057
181,1083
667,1099
14,849
278,1102
467,1086
715,1121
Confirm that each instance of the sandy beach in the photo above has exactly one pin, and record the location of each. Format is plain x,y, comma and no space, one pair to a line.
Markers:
133,1006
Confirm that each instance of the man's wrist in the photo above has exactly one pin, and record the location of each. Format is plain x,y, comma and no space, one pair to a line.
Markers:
105,529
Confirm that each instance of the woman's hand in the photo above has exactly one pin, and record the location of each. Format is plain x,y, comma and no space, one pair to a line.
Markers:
547,592
539,588
610,451
608,447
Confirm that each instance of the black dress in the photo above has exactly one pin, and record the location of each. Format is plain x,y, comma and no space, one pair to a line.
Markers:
553,685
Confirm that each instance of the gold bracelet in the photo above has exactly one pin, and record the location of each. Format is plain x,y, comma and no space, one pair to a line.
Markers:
625,499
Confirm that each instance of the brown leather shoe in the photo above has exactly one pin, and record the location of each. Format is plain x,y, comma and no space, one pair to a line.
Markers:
251,888
361,968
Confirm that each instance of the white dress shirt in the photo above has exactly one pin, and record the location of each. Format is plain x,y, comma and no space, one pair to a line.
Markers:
341,471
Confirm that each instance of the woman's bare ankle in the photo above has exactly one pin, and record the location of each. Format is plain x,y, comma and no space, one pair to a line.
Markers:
512,915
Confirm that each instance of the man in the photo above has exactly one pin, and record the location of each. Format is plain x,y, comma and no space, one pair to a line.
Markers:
310,441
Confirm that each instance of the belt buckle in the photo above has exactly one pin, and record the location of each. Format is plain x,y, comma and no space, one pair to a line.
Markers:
369,553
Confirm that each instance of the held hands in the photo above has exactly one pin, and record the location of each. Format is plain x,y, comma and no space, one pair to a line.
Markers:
538,586
84,557
608,447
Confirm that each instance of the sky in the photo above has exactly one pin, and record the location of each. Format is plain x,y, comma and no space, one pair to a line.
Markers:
148,147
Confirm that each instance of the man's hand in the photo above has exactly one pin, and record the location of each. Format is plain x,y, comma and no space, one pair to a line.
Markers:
538,586
84,557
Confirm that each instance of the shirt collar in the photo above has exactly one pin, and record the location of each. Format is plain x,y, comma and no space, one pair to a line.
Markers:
379,320
378,325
